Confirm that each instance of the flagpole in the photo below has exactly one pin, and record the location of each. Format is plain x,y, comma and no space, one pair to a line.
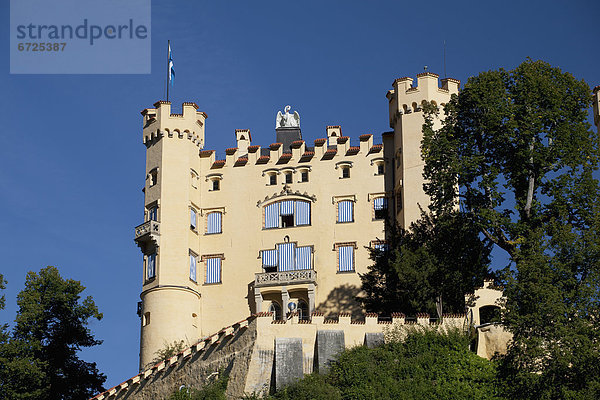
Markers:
168,47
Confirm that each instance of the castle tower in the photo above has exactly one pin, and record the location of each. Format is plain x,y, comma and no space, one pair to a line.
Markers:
170,298
406,118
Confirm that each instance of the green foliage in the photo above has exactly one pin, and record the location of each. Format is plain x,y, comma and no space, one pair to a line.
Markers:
168,351
517,149
212,391
427,365
312,387
439,257
39,360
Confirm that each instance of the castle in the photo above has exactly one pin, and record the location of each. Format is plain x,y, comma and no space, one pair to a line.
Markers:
279,233
269,228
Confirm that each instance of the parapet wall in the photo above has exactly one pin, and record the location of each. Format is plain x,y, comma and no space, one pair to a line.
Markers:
247,352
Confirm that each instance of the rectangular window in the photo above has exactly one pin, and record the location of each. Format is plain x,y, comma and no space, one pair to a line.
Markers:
288,178
345,172
269,260
216,185
380,207
285,254
345,258
213,270
213,223
272,216
304,257
380,169
345,211
304,176
398,202
272,179
193,262
286,210
151,266
302,213
153,213
287,257
192,218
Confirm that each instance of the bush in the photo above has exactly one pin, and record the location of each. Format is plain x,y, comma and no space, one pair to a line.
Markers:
212,391
427,364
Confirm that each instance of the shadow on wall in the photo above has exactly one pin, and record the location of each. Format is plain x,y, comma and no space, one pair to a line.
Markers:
250,298
342,299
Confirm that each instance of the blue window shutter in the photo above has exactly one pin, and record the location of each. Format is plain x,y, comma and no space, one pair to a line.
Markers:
193,267
285,253
346,258
213,222
304,257
272,216
380,203
213,270
269,258
287,207
193,218
345,211
302,212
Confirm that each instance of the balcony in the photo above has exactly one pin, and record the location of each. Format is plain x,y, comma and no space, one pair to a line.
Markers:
285,278
147,234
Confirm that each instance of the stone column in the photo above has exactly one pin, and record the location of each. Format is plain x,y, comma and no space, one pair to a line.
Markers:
285,299
258,299
311,299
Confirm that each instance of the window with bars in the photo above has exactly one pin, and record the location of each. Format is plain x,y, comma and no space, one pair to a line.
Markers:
213,269
288,177
287,257
345,211
216,185
304,176
193,264
380,207
380,168
345,255
272,179
150,266
286,213
345,172
214,222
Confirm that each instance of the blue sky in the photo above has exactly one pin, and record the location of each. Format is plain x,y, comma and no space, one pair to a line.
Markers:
71,154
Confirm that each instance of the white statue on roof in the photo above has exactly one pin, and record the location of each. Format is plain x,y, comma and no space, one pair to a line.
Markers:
287,120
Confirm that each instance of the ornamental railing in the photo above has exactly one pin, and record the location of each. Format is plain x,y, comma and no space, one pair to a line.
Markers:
150,228
285,277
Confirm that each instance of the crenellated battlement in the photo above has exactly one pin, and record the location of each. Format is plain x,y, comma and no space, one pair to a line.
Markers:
300,152
405,98
159,122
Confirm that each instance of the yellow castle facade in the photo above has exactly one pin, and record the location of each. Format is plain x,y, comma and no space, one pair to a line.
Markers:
276,228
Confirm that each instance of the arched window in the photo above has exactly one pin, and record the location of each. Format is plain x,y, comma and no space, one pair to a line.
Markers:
286,213
275,308
303,313
489,314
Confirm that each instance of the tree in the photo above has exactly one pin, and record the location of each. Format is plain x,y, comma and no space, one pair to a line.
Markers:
425,365
39,360
434,264
516,148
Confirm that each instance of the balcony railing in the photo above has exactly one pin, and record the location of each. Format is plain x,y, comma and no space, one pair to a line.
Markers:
149,231
285,277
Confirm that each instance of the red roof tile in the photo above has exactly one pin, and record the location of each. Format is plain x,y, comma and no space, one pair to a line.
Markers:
253,149
343,139
263,159
319,142
297,143
230,151
275,146
364,137
206,153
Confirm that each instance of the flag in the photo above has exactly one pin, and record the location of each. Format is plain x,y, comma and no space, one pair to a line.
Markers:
171,69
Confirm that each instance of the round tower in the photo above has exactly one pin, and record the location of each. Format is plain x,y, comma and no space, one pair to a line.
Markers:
170,299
